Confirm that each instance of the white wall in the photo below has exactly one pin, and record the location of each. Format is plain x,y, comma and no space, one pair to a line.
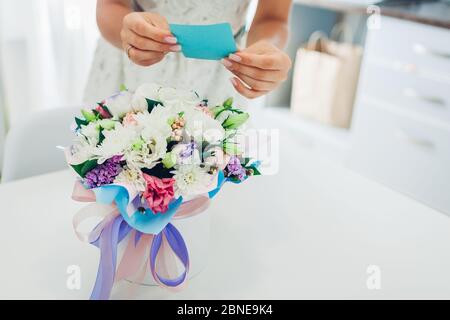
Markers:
46,50
2,124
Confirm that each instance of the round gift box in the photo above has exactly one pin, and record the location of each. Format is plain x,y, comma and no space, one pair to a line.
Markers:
195,231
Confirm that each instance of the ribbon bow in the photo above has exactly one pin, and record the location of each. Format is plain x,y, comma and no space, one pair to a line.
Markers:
154,243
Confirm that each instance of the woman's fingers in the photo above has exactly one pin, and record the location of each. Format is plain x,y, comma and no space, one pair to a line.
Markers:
243,90
254,72
255,84
262,61
146,38
256,78
146,27
145,58
157,20
131,38
262,66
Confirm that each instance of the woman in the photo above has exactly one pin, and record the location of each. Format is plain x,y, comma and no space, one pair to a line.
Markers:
138,47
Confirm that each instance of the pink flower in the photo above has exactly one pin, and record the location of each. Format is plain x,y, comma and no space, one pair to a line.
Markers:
205,110
159,192
129,120
105,114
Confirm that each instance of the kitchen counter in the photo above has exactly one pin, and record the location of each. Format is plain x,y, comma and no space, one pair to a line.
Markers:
435,13
313,230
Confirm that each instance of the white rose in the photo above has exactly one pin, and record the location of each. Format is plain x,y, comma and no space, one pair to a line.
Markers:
142,93
119,104
168,96
201,126
152,150
189,97
178,98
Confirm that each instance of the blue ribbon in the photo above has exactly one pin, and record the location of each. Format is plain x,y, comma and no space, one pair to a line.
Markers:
146,221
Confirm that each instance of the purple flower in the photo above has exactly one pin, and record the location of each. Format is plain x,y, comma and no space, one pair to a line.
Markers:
104,173
234,168
189,151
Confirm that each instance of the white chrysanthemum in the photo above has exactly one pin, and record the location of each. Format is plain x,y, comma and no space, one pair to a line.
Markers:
154,123
81,150
119,104
201,126
133,177
190,180
116,141
142,93
142,118
91,133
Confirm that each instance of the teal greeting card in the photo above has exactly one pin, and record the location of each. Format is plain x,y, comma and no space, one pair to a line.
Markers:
210,42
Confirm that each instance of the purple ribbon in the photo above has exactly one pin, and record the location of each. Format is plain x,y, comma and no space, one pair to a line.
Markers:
176,242
108,240
112,234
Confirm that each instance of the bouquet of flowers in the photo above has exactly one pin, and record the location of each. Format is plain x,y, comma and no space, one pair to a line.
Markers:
143,159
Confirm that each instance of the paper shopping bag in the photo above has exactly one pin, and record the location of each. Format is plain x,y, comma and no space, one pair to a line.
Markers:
325,80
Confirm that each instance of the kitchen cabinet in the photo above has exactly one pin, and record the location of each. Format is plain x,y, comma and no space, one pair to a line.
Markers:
401,126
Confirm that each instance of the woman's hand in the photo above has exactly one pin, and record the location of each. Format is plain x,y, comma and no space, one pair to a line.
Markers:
261,66
146,38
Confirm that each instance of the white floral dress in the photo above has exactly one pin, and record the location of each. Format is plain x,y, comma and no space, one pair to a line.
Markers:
111,67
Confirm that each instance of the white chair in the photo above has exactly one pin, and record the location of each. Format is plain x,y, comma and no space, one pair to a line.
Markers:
31,145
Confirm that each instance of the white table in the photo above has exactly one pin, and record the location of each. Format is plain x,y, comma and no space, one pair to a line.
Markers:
309,232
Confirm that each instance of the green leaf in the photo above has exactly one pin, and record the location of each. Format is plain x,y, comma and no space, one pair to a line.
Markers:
169,160
81,122
245,161
123,87
256,172
234,121
97,114
151,104
231,148
107,124
205,145
101,136
228,103
234,179
88,115
236,110
137,144
170,121
217,110
84,167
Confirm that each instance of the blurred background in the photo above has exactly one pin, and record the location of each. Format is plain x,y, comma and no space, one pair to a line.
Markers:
364,157
369,87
